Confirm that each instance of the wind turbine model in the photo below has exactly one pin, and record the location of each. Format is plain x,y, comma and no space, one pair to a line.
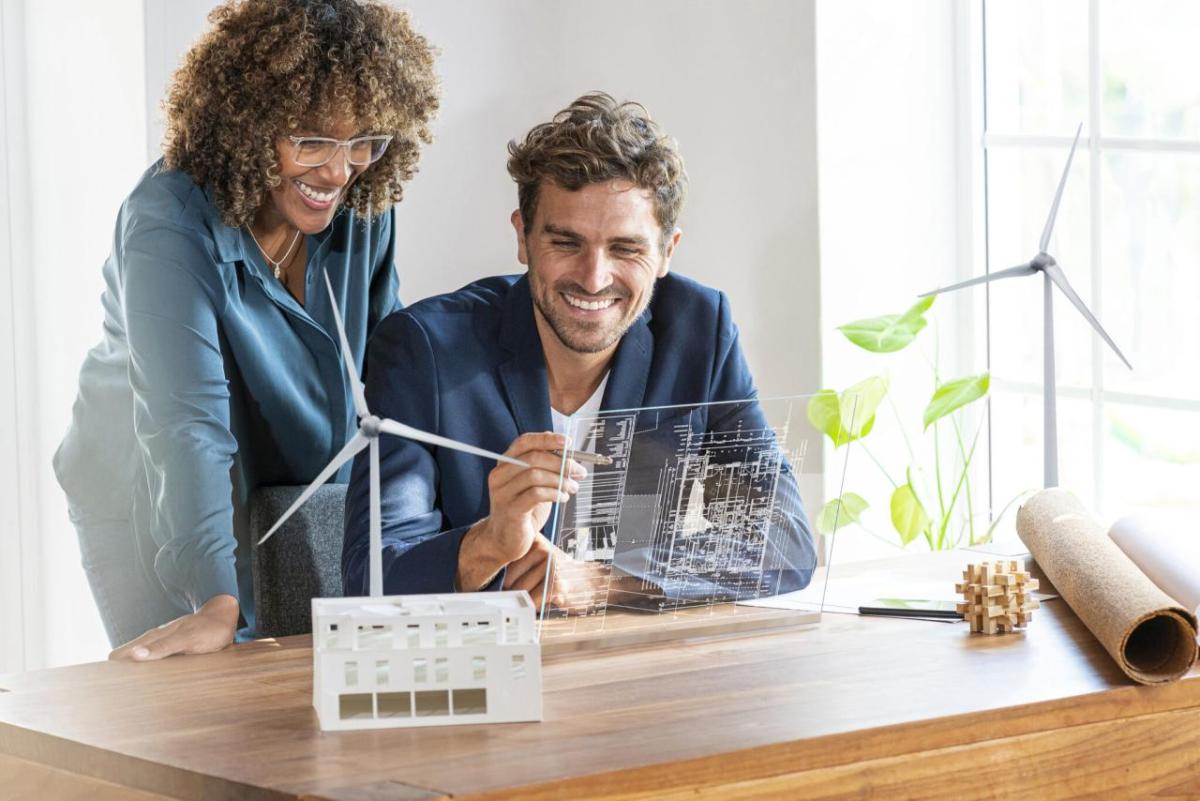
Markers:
1052,275
367,436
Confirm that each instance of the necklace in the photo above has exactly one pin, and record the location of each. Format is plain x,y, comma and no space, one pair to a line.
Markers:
276,265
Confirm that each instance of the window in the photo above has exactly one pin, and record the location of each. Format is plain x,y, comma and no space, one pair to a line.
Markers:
1126,237
470,702
330,637
50,316
374,636
482,632
394,705
897,179
432,703
356,706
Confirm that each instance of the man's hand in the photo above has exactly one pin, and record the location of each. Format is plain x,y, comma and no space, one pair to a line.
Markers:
520,501
209,628
574,587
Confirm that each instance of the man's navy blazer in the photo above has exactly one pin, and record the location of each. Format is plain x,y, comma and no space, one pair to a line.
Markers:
469,365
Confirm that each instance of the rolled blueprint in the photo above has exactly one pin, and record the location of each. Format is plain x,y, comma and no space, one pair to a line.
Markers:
1150,635
1167,550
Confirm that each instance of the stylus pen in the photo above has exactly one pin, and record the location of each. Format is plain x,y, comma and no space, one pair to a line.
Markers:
584,457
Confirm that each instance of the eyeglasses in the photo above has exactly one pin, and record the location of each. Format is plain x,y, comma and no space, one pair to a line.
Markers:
316,151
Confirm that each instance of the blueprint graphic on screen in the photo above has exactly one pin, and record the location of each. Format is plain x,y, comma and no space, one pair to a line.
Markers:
698,506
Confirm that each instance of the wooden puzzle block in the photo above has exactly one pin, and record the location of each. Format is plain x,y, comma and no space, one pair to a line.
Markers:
996,596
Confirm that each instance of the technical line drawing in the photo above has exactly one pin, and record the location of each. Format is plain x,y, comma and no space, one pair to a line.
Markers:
699,507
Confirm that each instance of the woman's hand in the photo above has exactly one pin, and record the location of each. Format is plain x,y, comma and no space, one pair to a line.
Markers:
210,628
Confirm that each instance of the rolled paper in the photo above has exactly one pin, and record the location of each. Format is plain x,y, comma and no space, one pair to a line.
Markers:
1150,635
1167,550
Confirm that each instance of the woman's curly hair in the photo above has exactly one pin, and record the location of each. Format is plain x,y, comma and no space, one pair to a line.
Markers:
268,67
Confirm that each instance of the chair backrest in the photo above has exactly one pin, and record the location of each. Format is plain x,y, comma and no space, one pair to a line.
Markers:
302,561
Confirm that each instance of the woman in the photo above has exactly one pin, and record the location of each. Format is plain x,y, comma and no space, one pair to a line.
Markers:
291,127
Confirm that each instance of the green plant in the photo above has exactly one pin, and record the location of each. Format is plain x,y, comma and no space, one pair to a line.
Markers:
917,510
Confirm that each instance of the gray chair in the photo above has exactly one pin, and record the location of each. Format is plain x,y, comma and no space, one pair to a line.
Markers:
302,561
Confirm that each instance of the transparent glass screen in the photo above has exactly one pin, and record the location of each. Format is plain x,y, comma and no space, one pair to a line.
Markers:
686,513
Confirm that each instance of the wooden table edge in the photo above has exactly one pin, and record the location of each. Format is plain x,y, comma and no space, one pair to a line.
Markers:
823,752
713,770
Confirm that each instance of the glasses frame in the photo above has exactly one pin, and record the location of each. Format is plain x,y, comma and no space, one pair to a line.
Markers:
340,144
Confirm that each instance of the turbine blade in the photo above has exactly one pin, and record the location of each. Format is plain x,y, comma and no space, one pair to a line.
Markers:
356,387
1055,274
348,451
1011,272
1044,242
408,432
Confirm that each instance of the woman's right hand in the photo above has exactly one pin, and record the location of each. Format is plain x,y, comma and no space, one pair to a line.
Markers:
210,628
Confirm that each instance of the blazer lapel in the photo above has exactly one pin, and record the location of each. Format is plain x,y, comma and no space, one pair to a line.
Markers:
523,375
631,367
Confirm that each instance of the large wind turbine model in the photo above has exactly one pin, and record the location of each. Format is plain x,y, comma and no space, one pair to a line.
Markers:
1052,275
367,436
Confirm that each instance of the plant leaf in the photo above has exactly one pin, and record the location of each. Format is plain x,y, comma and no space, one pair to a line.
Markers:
850,415
825,413
891,332
857,405
908,515
841,512
954,395
919,308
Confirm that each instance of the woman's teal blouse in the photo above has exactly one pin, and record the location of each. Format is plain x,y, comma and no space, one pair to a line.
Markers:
211,380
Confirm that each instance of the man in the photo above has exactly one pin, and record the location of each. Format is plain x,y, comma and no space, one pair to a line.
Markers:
598,322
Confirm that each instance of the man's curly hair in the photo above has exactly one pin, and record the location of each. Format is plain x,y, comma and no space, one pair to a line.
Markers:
269,67
597,139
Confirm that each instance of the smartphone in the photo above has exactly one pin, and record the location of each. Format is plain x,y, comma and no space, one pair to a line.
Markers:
911,607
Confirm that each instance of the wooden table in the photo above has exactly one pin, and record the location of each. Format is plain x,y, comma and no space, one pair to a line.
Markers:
856,708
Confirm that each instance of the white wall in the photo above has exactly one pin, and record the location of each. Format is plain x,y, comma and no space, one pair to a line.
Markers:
170,28
733,82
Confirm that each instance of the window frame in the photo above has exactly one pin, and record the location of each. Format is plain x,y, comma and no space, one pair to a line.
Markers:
1094,146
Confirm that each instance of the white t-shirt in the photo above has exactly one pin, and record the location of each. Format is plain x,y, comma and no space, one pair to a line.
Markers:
589,409
584,442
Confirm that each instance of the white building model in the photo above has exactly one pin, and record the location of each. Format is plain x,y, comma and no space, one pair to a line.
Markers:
425,660
416,660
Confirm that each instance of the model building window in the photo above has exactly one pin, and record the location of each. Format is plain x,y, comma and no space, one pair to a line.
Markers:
374,636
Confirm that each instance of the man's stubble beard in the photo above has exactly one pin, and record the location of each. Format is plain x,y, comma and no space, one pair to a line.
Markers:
543,298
